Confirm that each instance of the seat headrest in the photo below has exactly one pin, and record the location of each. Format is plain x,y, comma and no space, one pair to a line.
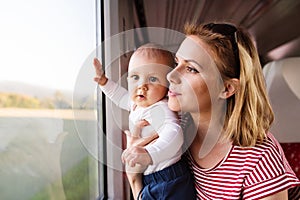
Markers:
283,87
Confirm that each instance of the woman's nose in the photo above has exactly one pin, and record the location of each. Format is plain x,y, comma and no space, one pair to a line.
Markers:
174,76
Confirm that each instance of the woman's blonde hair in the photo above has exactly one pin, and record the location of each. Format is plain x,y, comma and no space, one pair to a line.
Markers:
249,113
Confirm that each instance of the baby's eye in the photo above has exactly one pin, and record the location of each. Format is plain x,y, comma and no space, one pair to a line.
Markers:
191,69
175,63
134,77
153,79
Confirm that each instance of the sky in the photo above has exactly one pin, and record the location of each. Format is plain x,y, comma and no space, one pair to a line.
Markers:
45,42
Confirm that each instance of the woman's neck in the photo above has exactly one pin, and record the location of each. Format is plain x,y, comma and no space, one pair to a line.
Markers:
208,147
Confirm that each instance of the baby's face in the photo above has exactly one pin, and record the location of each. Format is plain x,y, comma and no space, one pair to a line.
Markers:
147,82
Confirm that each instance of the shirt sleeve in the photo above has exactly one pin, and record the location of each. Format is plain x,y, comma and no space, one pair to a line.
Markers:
170,138
116,94
272,173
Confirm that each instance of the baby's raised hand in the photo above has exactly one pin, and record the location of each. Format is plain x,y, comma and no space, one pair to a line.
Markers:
100,77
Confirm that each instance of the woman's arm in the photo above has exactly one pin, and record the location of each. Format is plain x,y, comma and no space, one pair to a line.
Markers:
283,195
136,184
135,179
135,156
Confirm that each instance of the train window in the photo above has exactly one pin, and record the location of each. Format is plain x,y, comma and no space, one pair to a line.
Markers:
43,44
111,120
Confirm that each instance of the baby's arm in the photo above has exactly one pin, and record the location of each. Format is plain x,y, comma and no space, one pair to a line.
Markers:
100,77
166,146
112,90
135,133
163,148
170,141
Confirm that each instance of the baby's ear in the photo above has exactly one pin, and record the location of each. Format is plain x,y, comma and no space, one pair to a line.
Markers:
231,86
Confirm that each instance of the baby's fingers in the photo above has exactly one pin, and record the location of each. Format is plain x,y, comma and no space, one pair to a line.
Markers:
98,67
97,63
142,123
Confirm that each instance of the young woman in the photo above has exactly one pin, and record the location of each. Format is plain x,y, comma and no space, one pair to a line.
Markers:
219,81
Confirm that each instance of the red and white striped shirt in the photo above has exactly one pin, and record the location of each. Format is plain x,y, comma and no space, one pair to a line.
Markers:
246,173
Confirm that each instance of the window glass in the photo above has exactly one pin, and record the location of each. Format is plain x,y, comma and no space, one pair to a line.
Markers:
43,151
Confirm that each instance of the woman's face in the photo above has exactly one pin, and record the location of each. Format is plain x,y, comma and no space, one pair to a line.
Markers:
194,83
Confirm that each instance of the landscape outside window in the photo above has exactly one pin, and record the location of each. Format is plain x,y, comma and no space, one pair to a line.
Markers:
43,45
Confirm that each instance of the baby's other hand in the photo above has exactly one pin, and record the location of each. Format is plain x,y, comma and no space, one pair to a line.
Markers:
139,141
100,77
138,128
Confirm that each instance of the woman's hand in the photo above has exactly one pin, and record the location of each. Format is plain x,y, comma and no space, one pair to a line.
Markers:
100,78
133,169
135,145
136,155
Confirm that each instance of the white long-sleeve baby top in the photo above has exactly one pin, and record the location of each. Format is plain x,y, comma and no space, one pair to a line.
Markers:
166,150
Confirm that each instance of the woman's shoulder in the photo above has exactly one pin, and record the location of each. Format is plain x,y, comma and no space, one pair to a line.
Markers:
248,158
265,154
268,145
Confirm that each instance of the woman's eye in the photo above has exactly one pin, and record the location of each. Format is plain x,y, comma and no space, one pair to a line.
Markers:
153,79
191,69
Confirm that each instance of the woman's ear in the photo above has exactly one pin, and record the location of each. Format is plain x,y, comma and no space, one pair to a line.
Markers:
230,88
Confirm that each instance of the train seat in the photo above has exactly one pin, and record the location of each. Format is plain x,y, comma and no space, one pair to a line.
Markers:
283,86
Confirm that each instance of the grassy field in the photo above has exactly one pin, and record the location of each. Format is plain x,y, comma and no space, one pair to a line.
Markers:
47,154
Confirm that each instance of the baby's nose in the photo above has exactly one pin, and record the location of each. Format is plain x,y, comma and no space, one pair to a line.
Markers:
143,87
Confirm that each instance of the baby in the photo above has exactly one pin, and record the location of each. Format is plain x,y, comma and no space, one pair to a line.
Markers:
147,103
